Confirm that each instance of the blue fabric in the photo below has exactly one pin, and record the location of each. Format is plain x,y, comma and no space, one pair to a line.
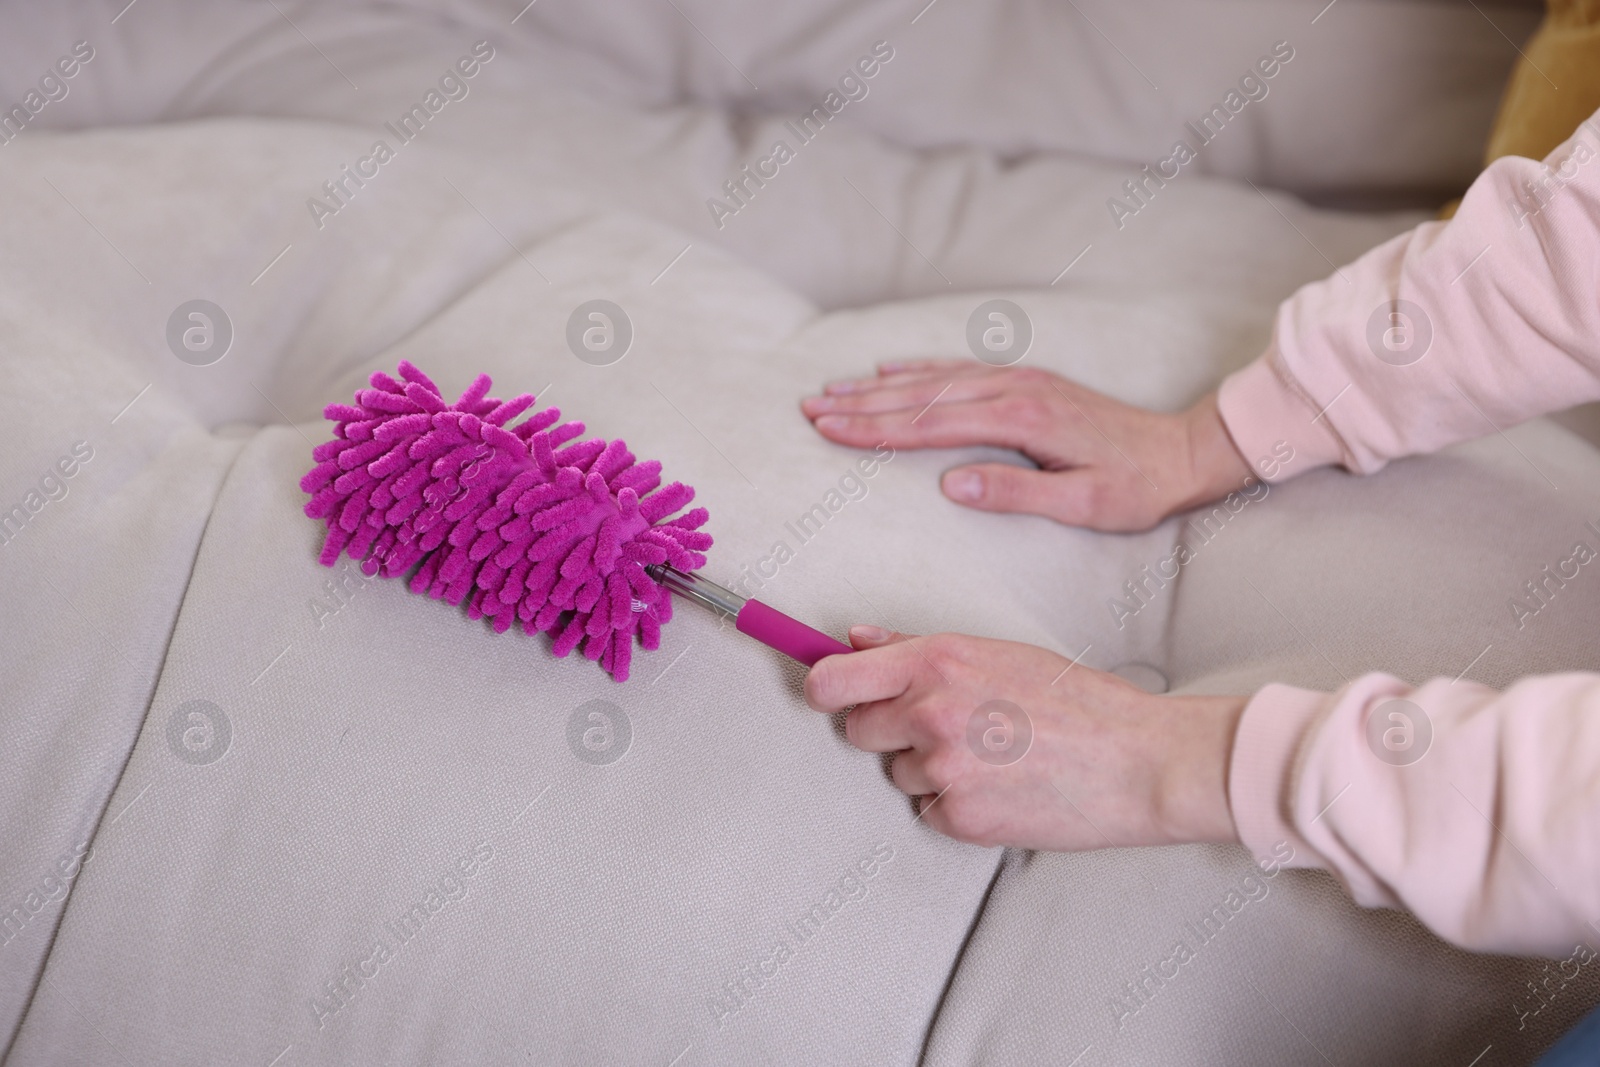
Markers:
1579,1048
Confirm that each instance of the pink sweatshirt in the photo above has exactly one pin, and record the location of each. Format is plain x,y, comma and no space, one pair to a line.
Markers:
1493,837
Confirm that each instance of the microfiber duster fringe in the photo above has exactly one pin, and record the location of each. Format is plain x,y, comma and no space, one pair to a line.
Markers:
504,517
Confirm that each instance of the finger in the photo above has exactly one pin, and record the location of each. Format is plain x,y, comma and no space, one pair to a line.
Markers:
1072,497
881,672
941,425
901,366
909,771
871,382
880,726
911,397
933,811
943,369
864,637
1091,497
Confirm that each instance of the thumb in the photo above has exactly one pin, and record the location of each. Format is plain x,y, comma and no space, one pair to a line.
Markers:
1066,496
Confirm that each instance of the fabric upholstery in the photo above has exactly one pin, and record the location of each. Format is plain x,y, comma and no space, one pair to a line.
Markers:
588,912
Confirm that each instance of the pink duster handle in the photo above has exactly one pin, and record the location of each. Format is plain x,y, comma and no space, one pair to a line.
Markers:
793,638
751,617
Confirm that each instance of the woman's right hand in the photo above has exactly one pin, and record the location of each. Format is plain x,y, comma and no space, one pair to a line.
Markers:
1102,464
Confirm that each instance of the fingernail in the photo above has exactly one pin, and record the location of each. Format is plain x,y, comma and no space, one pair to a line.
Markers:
869,633
817,403
830,422
893,367
966,486
834,388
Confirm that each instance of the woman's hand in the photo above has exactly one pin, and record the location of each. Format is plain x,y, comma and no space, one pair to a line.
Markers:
1103,464
1076,759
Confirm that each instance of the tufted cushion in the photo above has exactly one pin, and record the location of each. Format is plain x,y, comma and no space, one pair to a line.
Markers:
383,754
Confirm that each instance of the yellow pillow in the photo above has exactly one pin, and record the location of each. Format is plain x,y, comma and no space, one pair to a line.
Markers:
1554,86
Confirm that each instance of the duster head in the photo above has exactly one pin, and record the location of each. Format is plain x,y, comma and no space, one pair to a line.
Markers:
522,522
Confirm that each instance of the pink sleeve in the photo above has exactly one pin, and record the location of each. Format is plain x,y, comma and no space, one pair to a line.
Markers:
1479,816
1490,836
1450,331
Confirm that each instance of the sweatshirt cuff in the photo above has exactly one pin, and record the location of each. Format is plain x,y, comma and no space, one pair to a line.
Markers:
1262,769
1273,425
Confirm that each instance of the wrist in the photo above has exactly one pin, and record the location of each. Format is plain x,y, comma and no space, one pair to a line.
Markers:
1193,802
1213,464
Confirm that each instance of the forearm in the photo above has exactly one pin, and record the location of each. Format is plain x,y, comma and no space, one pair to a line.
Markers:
1485,831
1498,322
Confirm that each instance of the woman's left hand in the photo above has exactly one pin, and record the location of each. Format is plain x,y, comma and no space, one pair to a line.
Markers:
1009,744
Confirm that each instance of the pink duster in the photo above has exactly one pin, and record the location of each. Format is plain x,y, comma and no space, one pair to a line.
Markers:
513,519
